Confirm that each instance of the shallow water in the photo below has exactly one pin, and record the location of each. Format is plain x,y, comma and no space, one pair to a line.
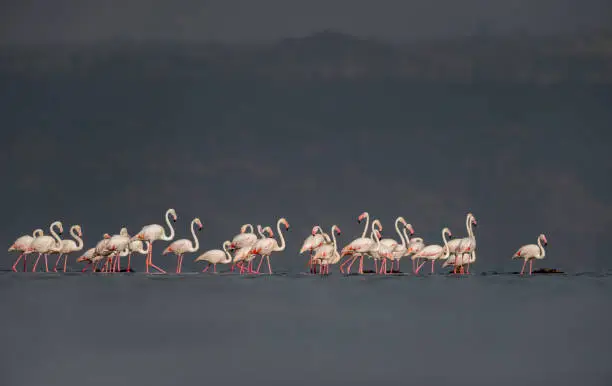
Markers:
132,329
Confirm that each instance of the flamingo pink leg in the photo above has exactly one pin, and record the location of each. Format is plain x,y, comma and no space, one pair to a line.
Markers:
432,266
151,262
57,262
523,269
530,266
259,265
17,261
36,262
361,265
129,258
46,262
348,269
206,269
25,260
269,266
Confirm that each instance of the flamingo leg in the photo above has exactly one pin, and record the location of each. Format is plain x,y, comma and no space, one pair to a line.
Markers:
86,265
17,261
129,258
215,267
46,262
25,262
65,261
376,266
259,265
361,265
153,265
432,266
523,269
206,269
530,266
57,262
421,266
348,270
269,266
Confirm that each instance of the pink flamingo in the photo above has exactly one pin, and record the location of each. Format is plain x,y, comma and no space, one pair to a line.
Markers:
328,254
69,246
312,243
244,238
47,244
150,233
434,252
216,256
530,252
265,247
23,245
243,258
361,243
180,247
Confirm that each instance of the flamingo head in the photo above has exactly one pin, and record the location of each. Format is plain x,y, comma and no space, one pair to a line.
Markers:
83,258
315,229
284,222
243,228
172,213
198,222
124,231
377,224
362,216
409,250
410,228
231,246
267,229
378,234
78,230
337,228
106,236
474,222
543,237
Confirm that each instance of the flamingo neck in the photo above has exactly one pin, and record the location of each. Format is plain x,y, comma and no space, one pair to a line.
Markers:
446,248
171,235
55,236
365,228
542,250
397,221
227,254
195,237
77,238
280,234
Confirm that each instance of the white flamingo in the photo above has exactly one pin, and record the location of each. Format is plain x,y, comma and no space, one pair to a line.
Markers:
327,254
182,246
23,244
455,245
356,247
216,256
70,246
244,238
415,245
150,233
119,244
380,251
243,255
467,246
136,246
398,250
312,243
47,244
265,247
434,252
530,252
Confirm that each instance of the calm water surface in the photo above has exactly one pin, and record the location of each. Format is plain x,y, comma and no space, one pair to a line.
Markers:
135,329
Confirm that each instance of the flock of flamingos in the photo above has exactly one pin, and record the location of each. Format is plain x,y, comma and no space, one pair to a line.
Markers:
459,253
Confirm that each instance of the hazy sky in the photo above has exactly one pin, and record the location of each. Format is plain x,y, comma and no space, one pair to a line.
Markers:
70,20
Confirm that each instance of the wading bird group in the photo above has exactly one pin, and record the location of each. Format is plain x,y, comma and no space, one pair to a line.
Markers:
242,251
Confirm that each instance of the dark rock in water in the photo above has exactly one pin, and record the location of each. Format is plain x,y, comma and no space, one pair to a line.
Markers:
546,271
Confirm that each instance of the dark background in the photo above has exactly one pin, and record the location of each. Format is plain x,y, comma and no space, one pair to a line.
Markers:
109,119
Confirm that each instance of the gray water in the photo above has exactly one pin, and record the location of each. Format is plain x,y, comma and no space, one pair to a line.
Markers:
295,328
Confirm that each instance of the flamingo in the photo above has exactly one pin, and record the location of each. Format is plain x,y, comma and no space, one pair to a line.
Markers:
264,247
243,254
180,247
47,244
216,256
87,257
532,251
434,252
415,245
328,253
398,250
467,245
244,239
312,242
363,246
119,243
23,245
135,246
150,233
103,250
454,244
69,246
359,244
